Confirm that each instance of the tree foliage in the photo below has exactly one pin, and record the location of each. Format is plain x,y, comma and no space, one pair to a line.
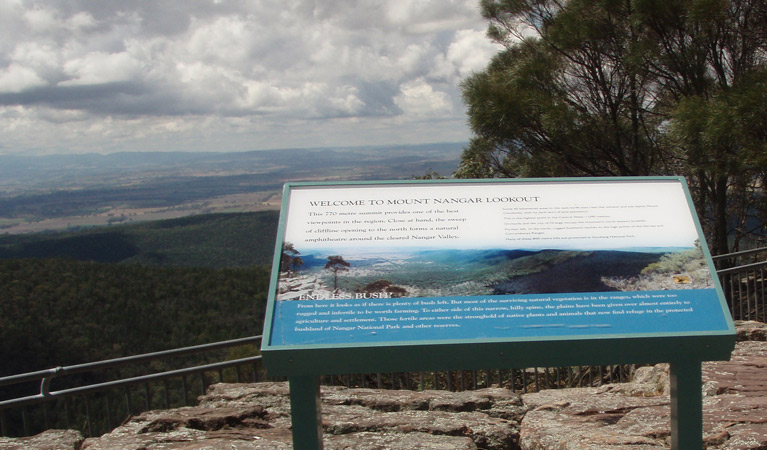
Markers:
626,88
289,260
62,312
336,264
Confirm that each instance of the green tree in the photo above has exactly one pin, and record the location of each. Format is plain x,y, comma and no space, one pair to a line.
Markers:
289,261
336,264
711,63
627,87
569,95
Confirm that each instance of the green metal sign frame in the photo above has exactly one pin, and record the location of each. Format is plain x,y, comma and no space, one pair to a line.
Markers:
303,361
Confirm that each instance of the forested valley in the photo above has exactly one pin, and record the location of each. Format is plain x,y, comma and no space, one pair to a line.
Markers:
70,298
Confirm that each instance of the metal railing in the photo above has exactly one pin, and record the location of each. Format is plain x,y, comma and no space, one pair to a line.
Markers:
742,258
58,407
97,416
520,380
742,276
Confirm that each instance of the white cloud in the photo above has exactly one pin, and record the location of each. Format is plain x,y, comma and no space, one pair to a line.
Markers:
81,21
128,74
430,16
16,78
225,40
415,58
41,21
418,98
99,68
470,52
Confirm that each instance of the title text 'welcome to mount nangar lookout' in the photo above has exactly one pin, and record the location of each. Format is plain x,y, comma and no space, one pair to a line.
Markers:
424,201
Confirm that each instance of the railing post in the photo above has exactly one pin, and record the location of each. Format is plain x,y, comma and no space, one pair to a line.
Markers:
183,387
524,380
66,413
88,416
45,415
45,384
24,421
128,402
763,288
167,394
109,410
147,397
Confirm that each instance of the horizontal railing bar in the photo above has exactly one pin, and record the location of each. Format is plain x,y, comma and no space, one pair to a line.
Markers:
105,364
744,268
39,398
736,254
29,376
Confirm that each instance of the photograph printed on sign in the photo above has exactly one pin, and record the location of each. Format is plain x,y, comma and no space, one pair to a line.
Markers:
509,239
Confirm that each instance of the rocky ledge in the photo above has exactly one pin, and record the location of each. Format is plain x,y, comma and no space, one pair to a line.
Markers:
628,416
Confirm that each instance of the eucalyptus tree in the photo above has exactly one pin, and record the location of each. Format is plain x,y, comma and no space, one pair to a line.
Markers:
623,88
570,94
335,264
709,58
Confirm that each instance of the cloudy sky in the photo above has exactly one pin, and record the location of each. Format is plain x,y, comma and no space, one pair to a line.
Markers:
230,75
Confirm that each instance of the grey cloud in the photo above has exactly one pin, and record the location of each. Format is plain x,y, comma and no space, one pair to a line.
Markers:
161,17
112,99
72,97
280,60
379,98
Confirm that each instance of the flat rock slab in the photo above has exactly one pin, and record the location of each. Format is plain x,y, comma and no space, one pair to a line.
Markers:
735,402
47,440
636,415
257,416
594,418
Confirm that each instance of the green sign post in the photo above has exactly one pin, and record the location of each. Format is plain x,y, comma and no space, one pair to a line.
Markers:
444,275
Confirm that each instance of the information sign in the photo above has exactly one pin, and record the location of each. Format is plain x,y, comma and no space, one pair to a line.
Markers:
404,262
435,275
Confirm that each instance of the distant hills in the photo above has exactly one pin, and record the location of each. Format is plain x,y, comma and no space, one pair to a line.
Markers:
56,192
206,240
60,171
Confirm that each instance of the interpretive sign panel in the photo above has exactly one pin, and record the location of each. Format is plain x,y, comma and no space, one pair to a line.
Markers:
404,262
440,275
